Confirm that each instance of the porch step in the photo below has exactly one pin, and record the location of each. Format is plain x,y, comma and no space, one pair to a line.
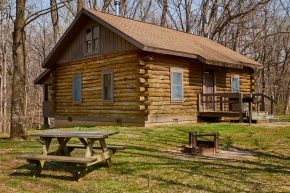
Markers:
263,118
260,113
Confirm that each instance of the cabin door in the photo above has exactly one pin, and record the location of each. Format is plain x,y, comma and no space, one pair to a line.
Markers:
209,88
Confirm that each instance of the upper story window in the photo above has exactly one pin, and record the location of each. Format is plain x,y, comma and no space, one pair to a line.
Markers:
235,82
176,75
107,86
77,89
93,40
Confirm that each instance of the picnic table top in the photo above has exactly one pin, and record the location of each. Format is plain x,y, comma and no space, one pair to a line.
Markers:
74,133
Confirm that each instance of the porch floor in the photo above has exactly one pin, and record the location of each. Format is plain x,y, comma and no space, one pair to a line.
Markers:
219,114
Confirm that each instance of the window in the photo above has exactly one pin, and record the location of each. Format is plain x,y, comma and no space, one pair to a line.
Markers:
107,85
89,40
77,89
176,85
93,40
235,83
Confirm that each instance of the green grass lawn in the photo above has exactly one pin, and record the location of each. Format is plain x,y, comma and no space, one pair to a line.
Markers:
153,162
284,118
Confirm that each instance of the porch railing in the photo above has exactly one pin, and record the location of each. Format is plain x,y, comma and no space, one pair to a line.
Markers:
236,102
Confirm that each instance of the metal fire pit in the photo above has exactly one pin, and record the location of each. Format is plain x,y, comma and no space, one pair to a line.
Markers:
200,147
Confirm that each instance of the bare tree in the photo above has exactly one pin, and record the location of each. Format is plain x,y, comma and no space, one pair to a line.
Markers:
18,128
54,19
164,6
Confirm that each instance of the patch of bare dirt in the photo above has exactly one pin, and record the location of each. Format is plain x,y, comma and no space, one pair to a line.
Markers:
274,124
234,154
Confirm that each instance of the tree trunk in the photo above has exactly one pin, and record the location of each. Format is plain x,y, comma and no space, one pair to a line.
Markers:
106,5
80,5
287,105
204,19
124,10
18,126
164,13
54,19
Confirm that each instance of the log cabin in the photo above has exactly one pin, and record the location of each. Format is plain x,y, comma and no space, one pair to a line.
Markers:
110,70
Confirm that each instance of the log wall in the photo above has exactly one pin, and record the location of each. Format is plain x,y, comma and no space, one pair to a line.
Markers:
157,87
159,106
142,89
126,106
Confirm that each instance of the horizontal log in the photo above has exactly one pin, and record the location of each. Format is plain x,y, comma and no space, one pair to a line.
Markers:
142,89
141,71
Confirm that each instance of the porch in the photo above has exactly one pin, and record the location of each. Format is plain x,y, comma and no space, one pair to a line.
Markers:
236,106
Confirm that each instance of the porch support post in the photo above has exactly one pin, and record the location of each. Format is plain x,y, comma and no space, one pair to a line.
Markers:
222,104
198,102
250,109
272,105
241,107
45,98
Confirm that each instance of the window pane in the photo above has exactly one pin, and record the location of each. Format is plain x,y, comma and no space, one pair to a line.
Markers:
89,46
107,87
176,86
96,32
88,34
235,85
77,84
96,45
176,78
177,93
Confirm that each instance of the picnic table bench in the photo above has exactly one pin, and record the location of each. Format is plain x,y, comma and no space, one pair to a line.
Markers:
63,152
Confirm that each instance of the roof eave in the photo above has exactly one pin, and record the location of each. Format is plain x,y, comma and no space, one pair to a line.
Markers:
42,77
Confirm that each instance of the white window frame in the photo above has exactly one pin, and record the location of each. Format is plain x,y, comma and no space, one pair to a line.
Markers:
111,72
73,86
235,76
176,70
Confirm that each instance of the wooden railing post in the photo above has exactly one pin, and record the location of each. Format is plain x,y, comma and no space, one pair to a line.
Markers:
198,102
250,108
263,103
222,104
241,107
216,142
190,139
194,139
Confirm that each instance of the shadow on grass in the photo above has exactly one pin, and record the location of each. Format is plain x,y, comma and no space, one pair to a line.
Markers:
265,155
169,182
213,161
4,138
70,168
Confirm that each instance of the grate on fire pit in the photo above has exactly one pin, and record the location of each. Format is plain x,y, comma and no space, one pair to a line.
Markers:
201,147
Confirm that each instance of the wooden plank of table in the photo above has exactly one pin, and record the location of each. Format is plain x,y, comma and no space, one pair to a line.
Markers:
64,159
89,148
73,133
46,145
105,149
62,150
101,157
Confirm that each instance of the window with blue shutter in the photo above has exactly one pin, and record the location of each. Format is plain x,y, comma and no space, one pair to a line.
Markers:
235,83
77,89
176,85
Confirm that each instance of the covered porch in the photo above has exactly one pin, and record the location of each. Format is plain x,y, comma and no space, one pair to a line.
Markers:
237,106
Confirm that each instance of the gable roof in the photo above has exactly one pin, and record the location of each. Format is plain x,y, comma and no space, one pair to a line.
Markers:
153,38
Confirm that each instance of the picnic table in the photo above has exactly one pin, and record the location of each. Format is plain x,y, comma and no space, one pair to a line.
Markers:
88,141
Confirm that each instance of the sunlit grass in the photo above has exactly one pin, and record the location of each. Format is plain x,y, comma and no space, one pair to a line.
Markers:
152,162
